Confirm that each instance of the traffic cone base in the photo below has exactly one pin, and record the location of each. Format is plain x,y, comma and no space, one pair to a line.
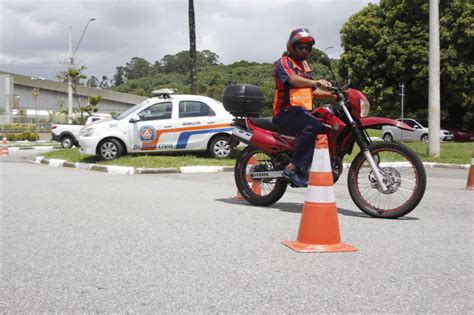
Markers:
310,248
238,197
319,230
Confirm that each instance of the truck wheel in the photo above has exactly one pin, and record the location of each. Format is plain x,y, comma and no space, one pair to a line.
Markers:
67,142
110,149
387,137
219,147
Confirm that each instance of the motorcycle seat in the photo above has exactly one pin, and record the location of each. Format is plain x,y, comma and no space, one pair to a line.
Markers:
267,124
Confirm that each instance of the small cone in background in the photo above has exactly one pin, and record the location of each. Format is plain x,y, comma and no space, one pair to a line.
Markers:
470,178
238,197
319,227
254,185
5,147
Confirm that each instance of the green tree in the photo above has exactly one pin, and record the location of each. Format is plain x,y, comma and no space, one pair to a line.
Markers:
88,110
104,83
93,82
119,77
137,68
387,44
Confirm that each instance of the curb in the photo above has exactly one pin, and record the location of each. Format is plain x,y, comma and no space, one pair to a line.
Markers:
446,165
31,148
127,170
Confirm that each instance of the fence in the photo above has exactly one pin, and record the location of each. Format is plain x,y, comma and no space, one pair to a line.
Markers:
20,124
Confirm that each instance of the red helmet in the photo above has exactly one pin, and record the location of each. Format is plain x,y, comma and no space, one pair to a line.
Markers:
299,35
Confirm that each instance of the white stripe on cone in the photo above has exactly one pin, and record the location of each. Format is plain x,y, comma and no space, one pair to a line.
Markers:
321,161
320,194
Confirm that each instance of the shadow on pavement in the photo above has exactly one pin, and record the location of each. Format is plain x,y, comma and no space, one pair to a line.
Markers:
293,207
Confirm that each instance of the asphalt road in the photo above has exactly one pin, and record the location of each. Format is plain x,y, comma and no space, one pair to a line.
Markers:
84,241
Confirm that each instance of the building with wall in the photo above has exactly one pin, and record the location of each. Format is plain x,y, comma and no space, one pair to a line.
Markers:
16,93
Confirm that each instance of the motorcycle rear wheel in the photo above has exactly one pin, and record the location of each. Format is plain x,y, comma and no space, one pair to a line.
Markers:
259,192
403,173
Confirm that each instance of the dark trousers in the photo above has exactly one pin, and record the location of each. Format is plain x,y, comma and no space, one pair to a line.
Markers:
299,122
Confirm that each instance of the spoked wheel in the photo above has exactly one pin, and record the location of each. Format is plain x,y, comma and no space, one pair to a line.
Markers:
257,177
403,173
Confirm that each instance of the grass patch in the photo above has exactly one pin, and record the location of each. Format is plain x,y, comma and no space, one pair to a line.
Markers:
452,153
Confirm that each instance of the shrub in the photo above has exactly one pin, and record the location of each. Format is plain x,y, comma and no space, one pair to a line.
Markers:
30,136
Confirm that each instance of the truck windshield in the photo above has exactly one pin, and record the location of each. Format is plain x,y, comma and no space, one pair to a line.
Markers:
132,109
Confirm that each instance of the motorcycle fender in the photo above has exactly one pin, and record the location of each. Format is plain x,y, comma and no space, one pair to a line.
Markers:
376,122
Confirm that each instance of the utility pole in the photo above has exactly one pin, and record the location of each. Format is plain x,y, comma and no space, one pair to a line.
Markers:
402,94
69,81
192,47
71,66
434,84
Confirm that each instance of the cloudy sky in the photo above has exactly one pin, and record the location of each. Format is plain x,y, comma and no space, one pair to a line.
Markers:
34,34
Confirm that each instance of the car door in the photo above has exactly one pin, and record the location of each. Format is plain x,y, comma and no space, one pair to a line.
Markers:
408,135
154,130
196,121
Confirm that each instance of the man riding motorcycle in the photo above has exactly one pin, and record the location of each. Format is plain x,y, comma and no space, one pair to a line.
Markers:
293,102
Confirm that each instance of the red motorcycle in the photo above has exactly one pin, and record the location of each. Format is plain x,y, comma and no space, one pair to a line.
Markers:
385,179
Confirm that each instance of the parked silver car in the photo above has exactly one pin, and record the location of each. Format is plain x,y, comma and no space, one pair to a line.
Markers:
391,133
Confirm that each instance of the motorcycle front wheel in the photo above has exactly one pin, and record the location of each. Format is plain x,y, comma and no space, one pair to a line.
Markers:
252,180
403,173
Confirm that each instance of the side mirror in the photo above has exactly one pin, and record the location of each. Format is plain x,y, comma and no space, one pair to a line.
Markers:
325,60
134,119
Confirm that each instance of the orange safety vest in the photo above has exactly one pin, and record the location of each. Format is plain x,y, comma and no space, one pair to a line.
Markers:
297,96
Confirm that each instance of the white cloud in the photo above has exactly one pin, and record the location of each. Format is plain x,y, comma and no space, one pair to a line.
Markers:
254,30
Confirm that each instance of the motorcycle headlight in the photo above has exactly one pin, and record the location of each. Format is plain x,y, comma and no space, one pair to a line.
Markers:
87,132
364,107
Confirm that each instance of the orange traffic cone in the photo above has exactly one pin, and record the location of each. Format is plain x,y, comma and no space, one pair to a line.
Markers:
4,147
255,185
319,227
470,178
238,197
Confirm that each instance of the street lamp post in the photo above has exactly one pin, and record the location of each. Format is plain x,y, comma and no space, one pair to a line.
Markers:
71,65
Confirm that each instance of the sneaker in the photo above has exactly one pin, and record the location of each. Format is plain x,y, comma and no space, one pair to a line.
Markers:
294,177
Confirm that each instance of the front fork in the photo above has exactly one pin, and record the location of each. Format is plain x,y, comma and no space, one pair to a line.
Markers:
365,149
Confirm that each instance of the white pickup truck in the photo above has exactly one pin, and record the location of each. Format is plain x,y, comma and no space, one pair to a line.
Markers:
68,134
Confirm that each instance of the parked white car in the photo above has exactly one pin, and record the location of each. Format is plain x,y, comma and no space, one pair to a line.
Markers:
68,134
420,132
167,123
